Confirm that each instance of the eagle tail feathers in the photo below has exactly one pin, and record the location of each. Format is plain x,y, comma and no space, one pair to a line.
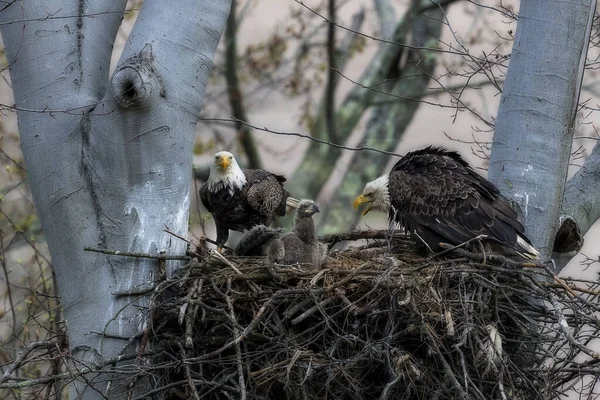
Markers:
291,204
528,251
256,240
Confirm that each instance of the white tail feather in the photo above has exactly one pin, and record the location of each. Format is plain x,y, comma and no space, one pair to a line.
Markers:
529,251
291,203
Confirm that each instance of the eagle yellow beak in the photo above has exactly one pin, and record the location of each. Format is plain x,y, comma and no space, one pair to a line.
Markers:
224,162
361,200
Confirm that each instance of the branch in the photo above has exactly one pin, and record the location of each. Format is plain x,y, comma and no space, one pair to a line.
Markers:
581,195
331,75
343,55
21,359
305,136
136,255
386,15
234,92
358,235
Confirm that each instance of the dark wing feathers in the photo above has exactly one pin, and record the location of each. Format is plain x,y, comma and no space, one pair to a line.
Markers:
436,193
265,192
204,196
258,202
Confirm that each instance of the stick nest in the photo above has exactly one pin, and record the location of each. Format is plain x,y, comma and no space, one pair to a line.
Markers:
374,323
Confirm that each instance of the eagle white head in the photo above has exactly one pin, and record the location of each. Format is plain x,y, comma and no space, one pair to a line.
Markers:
377,196
225,173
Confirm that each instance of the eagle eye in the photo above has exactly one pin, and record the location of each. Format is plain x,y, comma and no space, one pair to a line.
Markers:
231,157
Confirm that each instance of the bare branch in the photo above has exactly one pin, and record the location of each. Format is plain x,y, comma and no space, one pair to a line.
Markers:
305,136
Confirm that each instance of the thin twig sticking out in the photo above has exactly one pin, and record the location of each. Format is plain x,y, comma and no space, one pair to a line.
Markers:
238,348
136,255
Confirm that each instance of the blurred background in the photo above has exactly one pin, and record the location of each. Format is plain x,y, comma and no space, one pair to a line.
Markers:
282,76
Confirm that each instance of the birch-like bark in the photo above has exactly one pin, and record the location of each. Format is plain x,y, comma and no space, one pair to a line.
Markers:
109,162
534,129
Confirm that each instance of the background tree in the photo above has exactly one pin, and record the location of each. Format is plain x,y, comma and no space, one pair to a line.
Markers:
109,160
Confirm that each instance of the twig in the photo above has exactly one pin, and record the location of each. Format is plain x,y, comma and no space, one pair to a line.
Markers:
136,255
225,261
238,349
188,374
302,135
493,257
312,310
375,38
21,359
459,246
564,328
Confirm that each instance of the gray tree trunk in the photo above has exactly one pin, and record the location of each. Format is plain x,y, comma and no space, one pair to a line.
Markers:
109,161
534,129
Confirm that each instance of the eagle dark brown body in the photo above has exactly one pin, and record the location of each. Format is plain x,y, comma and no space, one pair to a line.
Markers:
240,199
436,194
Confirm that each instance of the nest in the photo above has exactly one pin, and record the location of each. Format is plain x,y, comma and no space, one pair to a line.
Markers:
374,323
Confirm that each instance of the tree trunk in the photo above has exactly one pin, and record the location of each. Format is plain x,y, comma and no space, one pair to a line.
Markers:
534,129
320,159
109,162
388,121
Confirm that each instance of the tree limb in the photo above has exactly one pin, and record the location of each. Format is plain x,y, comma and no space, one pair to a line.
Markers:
319,161
386,15
331,75
388,122
234,91
581,193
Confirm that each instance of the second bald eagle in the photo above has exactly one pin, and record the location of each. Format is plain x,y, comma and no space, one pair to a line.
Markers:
434,193
239,199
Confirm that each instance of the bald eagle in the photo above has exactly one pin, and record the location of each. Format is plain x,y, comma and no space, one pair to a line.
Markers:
434,193
239,199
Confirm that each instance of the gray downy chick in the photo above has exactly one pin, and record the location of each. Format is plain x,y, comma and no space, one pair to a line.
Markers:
256,241
301,244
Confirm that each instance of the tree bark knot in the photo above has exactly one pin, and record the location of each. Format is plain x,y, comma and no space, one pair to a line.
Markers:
136,80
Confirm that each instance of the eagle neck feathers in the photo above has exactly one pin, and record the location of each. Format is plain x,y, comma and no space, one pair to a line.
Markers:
382,200
230,180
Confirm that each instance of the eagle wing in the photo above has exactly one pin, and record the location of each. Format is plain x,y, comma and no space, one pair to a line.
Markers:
265,192
439,193
204,196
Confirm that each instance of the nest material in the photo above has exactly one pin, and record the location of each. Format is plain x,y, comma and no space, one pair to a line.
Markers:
372,324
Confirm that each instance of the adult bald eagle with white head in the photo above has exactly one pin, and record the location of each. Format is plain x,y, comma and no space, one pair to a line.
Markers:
434,193
240,199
